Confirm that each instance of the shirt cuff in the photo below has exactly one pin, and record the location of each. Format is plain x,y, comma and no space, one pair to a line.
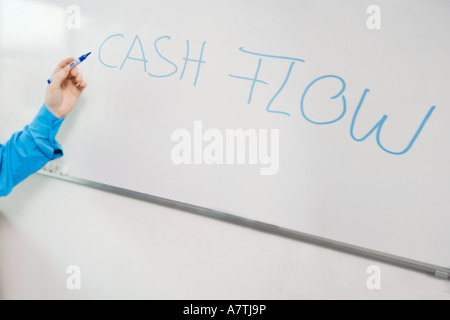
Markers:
44,129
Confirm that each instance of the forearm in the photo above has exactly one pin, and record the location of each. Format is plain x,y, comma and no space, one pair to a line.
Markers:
29,150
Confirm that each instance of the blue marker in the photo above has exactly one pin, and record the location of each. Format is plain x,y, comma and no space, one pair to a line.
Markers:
72,65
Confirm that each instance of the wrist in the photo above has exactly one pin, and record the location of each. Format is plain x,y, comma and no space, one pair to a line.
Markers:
54,112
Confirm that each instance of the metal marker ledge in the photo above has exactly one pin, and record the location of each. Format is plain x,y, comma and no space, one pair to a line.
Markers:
437,271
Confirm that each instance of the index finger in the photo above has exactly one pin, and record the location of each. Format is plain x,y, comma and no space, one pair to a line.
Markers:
63,64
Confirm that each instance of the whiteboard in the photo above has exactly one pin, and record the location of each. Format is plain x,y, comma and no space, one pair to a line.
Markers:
324,80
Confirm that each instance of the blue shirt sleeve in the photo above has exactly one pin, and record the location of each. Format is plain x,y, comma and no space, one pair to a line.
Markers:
29,150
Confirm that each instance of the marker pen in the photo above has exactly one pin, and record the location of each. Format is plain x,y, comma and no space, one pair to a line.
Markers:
72,65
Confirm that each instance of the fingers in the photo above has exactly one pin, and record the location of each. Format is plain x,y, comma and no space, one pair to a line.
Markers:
82,85
63,72
62,64
60,77
77,79
74,73
76,76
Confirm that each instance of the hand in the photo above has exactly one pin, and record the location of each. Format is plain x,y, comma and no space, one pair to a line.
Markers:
63,93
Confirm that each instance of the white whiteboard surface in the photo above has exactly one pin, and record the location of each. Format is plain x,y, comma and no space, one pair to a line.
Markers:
328,184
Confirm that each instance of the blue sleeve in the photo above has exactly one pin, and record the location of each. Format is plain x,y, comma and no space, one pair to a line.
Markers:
29,150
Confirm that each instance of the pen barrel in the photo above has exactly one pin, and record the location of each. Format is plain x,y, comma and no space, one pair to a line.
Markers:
74,64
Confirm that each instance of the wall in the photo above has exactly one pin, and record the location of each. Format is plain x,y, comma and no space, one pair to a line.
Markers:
131,249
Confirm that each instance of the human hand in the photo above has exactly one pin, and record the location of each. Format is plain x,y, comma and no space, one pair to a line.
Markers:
63,93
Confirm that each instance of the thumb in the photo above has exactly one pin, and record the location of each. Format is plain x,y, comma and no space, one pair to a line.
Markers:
61,76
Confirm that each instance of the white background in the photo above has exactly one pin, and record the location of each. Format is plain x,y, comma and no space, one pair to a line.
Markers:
328,184
128,249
